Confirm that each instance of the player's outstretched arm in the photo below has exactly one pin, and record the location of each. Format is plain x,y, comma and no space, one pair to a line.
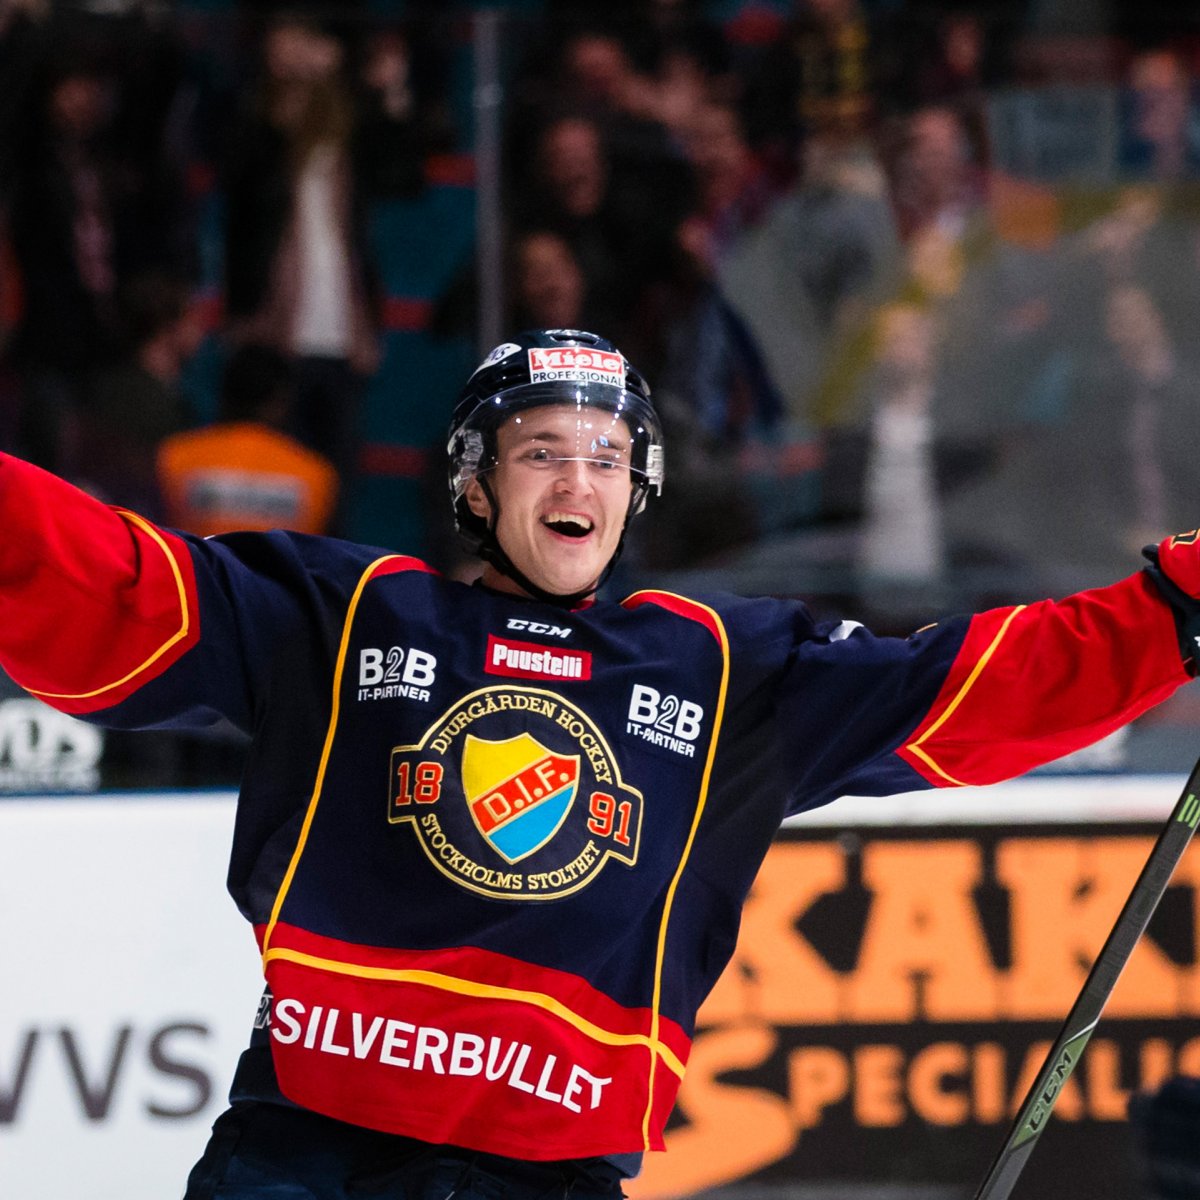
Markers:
977,699
104,615
93,601
1035,682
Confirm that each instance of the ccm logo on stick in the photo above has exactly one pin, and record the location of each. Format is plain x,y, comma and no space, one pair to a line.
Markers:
527,660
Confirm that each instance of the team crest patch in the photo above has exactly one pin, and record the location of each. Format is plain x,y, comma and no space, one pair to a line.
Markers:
514,793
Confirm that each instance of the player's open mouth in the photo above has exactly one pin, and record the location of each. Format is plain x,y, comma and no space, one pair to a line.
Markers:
568,524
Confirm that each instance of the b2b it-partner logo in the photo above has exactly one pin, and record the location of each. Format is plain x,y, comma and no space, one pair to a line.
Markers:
514,793
397,672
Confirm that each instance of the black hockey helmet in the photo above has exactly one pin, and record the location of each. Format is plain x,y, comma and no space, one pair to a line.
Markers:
537,368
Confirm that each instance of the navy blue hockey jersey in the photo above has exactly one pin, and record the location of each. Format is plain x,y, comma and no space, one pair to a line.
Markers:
495,852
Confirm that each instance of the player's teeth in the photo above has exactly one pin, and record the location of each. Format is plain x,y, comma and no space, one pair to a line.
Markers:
568,519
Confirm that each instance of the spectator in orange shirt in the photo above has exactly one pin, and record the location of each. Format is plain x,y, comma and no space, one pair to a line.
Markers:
244,472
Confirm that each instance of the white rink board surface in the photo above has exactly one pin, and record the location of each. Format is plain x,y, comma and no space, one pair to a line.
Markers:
129,981
122,951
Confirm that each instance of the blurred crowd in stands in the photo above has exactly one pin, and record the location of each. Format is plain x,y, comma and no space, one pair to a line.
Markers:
915,284
118,127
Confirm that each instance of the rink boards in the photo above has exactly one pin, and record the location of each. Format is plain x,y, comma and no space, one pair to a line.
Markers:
901,966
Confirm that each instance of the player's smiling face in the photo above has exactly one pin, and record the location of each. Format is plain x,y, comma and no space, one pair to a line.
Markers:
563,486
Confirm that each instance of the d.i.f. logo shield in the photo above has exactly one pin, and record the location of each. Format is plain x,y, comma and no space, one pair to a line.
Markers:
518,792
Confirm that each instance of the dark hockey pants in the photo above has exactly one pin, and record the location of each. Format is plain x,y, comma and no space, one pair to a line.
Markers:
268,1152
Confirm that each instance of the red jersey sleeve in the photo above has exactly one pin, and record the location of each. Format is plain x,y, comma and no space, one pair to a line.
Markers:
94,601
1032,683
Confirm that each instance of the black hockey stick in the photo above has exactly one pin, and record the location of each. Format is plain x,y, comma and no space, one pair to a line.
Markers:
1085,1013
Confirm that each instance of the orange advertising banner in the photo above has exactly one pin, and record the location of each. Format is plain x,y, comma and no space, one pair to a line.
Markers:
893,995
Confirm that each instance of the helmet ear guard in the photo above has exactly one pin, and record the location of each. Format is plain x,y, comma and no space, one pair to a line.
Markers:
535,369
468,455
653,475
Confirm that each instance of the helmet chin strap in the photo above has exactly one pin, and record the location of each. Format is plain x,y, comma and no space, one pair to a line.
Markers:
494,553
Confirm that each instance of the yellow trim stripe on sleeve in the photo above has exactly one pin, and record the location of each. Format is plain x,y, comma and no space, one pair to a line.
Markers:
467,987
174,639
364,579
660,953
960,696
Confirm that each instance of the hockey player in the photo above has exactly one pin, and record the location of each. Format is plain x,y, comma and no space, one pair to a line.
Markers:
494,840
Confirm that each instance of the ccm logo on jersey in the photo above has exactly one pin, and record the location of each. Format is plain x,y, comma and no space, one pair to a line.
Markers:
539,627
528,660
395,673
664,720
